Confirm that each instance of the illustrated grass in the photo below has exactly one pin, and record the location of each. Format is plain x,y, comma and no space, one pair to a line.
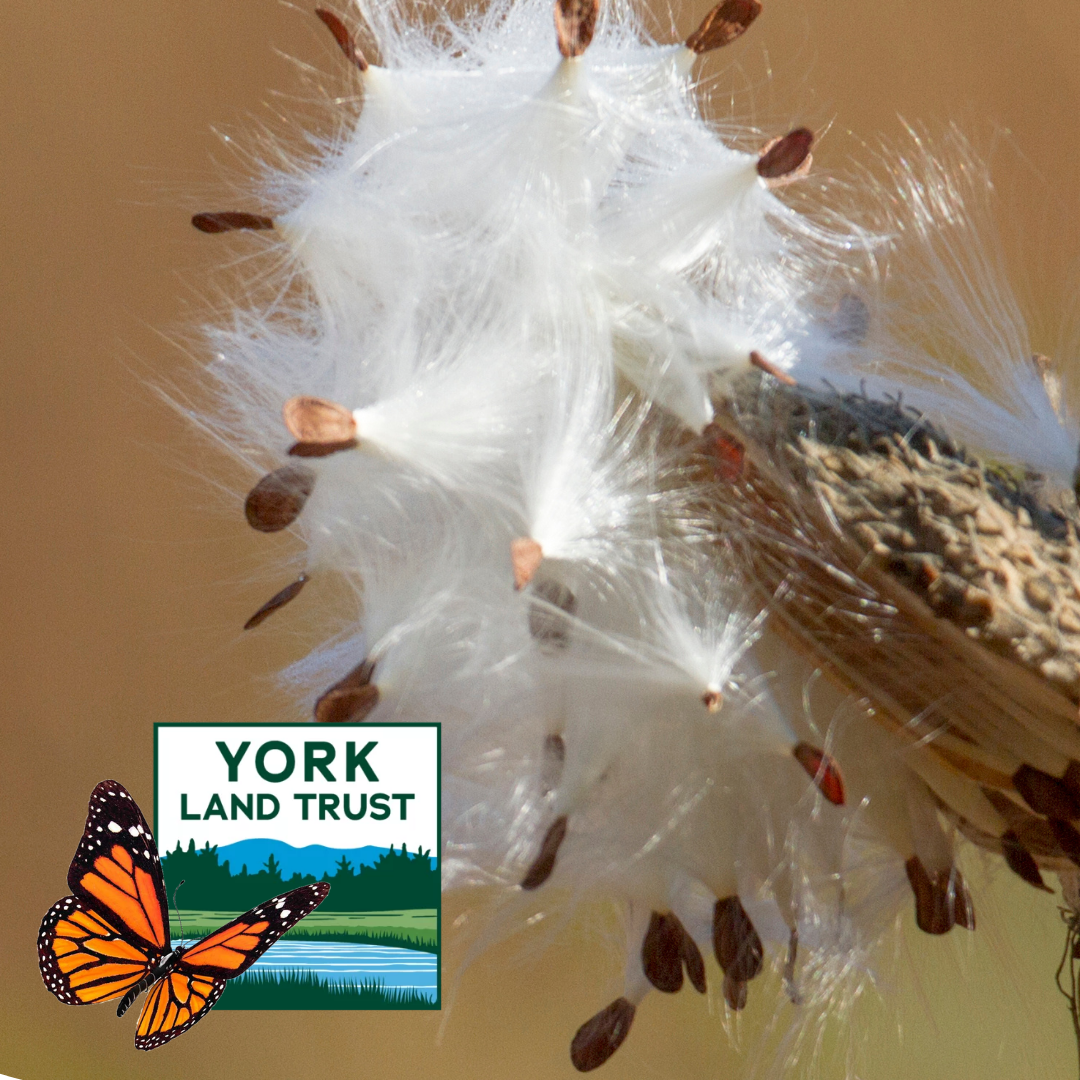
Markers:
304,990
416,930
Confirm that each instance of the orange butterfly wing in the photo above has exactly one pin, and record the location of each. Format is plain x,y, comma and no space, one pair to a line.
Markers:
116,870
114,930
230,951
84,958
185,995
174,1004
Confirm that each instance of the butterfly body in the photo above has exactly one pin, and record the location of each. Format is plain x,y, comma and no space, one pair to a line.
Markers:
111,938
163,968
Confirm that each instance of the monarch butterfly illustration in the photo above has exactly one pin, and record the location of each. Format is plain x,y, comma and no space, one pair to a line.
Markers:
111,938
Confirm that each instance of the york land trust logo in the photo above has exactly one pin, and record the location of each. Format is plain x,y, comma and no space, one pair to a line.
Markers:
243,812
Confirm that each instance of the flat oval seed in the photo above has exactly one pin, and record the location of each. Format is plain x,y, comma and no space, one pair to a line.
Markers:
597,1039
351,698
823,770
661,953
1068,839
738,948
275,502
278,600
1021,862
544,863
727,21
784,156
933,912
526,555
230,220
575,23
316,420
345,40
1046,794
346,706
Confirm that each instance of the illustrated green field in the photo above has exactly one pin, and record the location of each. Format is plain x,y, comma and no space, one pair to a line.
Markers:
417,929
303,990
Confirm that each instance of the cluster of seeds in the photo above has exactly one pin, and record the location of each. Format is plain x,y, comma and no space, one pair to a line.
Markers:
521,282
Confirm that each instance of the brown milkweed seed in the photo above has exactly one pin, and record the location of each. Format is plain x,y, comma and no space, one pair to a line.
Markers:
345,40
575,22
823,770
278,600
727,21
544,863
319,422
230,220
941,898
1046,794
526,555
597,1039
1021,862
787,156
1068,839
350,699
661,953
275,502
738,948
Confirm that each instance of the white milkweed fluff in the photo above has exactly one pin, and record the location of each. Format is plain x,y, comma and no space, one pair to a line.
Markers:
565,391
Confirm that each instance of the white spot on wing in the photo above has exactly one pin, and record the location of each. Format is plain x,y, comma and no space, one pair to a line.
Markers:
113,827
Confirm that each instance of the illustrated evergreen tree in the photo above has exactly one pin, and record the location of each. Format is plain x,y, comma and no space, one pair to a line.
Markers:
396,880
343,871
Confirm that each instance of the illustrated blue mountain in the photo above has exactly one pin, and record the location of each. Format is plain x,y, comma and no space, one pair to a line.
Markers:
362,879
315,859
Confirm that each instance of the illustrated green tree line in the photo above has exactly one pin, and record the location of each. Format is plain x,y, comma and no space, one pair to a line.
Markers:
397,880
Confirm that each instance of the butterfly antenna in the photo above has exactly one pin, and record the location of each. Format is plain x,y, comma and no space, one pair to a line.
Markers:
176,909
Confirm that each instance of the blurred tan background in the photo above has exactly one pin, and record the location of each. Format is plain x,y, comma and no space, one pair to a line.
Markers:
128,571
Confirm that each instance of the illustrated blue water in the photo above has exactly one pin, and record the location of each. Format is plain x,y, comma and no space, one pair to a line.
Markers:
340,962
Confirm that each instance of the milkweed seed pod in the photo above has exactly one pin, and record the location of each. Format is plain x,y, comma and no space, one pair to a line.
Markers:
616,442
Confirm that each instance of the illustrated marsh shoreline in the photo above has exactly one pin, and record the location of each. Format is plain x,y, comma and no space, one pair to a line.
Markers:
303,990
415,929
